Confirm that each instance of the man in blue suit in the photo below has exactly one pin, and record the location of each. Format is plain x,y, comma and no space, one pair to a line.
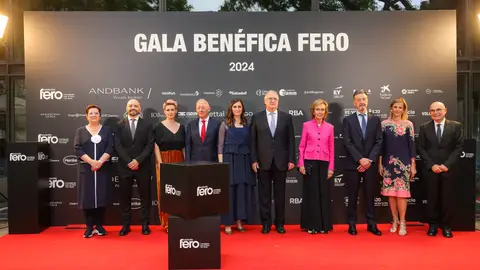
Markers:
362,136
202,135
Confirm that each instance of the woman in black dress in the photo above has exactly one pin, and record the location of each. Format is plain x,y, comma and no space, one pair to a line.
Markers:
169,147
93,146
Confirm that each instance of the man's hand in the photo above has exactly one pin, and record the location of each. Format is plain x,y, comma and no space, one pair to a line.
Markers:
133,165
291,166
443,168
365,163
255,166
361,168
436,169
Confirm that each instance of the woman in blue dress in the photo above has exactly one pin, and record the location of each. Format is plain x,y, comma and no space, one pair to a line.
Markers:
397,162
233,148
93,146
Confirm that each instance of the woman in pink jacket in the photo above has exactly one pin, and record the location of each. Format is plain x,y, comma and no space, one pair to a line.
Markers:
315,162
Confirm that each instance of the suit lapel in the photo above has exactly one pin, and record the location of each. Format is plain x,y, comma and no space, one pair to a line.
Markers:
195,132
432,133
210,128
126,122
369,125
279,119
447,129
356,124
265,121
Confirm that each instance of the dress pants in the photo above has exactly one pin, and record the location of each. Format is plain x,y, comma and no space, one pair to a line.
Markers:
266,177
94,216
144,190
371,186
440,197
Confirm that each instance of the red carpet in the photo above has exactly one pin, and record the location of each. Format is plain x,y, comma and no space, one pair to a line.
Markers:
58,248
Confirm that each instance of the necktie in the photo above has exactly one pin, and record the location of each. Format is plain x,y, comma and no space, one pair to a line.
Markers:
364,125
132,128
439,133
204,133
272,123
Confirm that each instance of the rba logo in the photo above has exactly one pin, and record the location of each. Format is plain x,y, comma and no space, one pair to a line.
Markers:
191,243
53,182
287,92
295,112
49,138
296,200
70,160
48,94
170,190
21,157
207,191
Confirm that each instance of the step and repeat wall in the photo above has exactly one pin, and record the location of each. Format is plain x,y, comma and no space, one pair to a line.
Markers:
74,59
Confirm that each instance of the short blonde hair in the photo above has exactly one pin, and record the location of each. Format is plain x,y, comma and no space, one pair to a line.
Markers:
316,103
170,102
405,108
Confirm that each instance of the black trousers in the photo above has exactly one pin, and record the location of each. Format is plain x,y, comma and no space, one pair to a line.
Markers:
316,204
144,190
371,186
94,216
266,178
440,197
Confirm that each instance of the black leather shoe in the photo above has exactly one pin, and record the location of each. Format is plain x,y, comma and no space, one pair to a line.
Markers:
145,230
447,233
265,229
432,231
125,230
100,230
352,229
373,229
323,232
280,228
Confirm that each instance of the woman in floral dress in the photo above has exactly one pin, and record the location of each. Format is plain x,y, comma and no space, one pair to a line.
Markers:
397,162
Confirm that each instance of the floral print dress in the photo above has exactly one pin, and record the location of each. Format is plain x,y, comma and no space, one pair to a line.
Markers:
397,153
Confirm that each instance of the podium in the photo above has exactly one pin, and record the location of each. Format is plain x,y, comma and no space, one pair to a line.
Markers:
28,187
194,194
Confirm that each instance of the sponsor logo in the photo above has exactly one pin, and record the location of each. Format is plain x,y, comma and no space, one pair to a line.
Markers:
248,114
349,111
312,92
54,182
296,200
425,114
187,114
291,180
466,155
70,160
122,93
157,115
53,94
338,181
191,243
287,92
49,138
368,91
170,190
207,191
135,204
19,157
189,94
337,92
379,202
169,93
238,93
261,92
55,204
217,114
296,112
411,113
385,92
42,156
406,91
433,91
412,201
49,115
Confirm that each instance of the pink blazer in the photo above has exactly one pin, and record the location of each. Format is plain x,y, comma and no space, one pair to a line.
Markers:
316,143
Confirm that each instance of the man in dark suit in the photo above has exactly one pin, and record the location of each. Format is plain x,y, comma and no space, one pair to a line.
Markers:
134,146
202,135
362,136
272,150
440,144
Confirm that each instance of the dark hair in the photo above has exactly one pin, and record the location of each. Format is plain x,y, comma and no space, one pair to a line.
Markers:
358,92
230,119
93,106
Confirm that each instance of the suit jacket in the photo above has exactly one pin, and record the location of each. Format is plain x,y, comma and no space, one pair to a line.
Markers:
140,148
264,148
448,151
356,146
316,143
195,150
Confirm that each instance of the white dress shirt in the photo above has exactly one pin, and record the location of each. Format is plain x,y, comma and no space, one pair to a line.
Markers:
359,116
130,121
442,126
269,118
200,125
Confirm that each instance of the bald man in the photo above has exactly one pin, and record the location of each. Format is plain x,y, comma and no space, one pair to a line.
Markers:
440,144
202,135
134,146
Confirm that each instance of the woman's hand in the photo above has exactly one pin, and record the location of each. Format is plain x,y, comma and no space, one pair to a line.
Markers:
380,169
413,172
302,170
330,174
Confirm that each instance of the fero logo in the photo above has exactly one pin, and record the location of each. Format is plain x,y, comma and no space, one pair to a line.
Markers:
48,94
20,157
170,190
48,138
70,160
56,183
207,191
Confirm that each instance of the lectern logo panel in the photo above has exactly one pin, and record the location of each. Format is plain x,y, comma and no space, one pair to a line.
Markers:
169,189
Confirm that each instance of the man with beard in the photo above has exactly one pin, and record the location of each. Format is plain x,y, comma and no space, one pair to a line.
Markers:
134,146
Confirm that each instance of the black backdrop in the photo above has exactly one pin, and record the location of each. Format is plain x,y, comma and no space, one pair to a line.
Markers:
77,58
